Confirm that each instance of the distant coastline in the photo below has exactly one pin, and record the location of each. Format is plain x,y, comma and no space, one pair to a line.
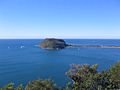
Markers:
91,46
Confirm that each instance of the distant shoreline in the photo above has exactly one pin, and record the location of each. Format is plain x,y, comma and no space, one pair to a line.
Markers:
90,46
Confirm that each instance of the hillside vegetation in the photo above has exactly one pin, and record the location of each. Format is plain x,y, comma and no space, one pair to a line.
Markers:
84,77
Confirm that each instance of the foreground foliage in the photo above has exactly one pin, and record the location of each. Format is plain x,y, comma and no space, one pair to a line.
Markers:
41,85
84,77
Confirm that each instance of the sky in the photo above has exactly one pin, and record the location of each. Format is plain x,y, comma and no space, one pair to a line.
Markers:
84,19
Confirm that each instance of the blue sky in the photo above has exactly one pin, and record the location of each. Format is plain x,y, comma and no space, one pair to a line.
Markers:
60,18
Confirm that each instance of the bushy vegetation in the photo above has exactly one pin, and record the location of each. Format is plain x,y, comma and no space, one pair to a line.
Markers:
11,87
84,77
41,85
33,85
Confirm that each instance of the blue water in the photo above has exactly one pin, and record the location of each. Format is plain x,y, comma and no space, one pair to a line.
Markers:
22,60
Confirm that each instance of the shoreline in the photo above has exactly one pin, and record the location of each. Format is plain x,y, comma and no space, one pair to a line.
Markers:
90,46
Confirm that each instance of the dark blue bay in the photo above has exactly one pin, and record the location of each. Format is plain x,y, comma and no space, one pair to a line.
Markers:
22,60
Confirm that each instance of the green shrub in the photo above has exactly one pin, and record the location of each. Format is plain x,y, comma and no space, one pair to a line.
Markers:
114,72
86,77
11,87
41,85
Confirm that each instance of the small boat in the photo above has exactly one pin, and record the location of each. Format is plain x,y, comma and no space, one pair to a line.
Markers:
22,46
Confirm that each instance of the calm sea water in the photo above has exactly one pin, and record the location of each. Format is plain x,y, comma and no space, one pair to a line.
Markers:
22,60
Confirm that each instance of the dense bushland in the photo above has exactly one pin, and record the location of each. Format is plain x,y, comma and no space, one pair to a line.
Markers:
84,77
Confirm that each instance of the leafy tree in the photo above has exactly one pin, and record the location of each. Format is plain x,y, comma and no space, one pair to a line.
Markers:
86,77
114,72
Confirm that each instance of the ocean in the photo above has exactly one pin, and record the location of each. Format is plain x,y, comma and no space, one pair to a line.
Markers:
21,60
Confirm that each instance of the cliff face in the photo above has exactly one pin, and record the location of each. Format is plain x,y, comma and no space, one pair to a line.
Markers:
52,43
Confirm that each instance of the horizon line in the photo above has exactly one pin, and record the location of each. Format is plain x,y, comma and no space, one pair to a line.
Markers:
57,38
